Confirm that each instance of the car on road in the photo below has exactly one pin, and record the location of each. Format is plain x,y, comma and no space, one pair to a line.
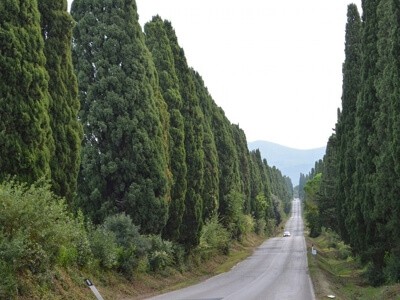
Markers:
286,233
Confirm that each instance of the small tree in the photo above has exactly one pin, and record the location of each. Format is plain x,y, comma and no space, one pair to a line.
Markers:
311,190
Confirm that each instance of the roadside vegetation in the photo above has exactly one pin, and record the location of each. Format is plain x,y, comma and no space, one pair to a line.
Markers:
354,189
115,161
46,252
334,271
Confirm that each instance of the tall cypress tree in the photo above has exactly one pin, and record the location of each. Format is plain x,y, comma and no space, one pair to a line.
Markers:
124,165
26,143
210,193
159,45
327,196
244,165
230,194
348,210
366,142
57,26
194,136
394,227
387,204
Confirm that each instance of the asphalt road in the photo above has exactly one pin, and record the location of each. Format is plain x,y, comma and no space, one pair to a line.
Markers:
276,270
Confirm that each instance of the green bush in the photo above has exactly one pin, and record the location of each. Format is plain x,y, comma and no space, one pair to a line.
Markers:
36,231
104,247
8,280
374,274
179,257
392,267
132,245
260,227
344,250
161,253
248,224
214,238
67,256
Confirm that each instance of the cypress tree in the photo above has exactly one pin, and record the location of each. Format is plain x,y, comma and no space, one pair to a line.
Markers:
244,165
267,189
159,45
258,181
348,210
366,142
26,143
211,172
387,204
194,137
230,195
394,221
327,196
57,26
124,164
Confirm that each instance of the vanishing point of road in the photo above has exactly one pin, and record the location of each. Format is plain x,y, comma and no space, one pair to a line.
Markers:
276,270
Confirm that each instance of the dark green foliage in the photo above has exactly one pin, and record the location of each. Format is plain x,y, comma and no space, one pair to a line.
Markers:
363,180
256,188
57,26
124,159
327,195
211,173
302,183
230,193
261,187
131,245
26,144
244,165
311,209
346,125
158,43
366,143
282,188
194,137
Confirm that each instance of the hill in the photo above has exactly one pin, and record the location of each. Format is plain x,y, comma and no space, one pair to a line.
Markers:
290,161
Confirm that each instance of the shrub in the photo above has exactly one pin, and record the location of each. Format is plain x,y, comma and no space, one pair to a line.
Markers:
179,256
132,245
36,230
344,250
270,227
214,238
392,267
248,224
161,253
374,274
104,247
260,227
8,281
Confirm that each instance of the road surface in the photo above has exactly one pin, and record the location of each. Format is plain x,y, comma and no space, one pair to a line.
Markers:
277,270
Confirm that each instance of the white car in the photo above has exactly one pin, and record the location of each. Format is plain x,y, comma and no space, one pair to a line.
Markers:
286,233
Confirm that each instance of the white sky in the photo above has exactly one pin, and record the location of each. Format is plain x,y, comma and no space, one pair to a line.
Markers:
275,67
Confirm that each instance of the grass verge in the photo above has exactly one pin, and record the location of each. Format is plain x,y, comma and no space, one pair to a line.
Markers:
334,272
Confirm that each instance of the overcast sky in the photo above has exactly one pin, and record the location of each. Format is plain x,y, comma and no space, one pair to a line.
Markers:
275,67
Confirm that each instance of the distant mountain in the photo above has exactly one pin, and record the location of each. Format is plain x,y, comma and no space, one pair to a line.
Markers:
291,162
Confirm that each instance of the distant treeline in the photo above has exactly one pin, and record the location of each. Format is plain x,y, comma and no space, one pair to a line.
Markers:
358,192
119,125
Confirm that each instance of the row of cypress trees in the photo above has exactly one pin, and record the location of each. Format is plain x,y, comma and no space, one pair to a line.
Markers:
141,134
40,134
361,170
